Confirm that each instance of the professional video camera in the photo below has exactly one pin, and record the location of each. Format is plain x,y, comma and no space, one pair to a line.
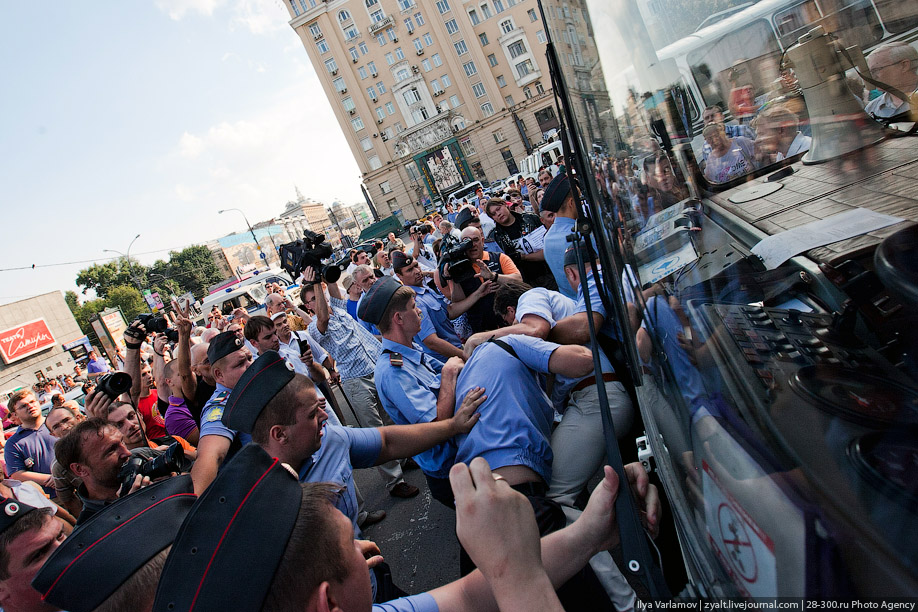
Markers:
114,384
157,324
460,266
163,465
309,252
421,228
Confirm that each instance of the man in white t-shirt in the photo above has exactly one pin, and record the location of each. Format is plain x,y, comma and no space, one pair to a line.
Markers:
730,158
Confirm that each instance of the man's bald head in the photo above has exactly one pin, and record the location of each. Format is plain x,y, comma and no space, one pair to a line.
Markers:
274,303
200,364
471,232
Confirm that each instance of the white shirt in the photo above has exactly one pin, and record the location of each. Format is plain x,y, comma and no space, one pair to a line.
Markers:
883,106
800,144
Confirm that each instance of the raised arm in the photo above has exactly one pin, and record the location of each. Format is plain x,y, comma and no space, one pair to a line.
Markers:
323,313
189,381
575,328
159,364
133,337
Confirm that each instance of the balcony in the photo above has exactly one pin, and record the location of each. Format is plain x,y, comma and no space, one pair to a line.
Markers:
382,24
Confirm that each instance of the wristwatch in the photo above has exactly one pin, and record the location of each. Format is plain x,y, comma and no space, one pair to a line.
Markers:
494,279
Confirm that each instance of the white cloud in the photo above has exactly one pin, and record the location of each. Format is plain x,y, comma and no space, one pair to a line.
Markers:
176,9
190,145
259,16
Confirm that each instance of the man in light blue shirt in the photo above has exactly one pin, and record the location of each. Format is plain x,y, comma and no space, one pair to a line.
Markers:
559,199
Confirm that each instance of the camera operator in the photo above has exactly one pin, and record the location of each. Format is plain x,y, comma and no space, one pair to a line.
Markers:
511,235
94,451
420,250
491,266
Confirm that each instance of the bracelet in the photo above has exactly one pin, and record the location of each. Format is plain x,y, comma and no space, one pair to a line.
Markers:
160,354
495,277
132,346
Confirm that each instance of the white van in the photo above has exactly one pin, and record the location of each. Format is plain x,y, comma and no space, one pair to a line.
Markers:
252,298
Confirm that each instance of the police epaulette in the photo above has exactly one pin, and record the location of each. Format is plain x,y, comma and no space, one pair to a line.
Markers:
395,360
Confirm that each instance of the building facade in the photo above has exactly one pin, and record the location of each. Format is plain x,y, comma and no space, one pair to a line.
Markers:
430,95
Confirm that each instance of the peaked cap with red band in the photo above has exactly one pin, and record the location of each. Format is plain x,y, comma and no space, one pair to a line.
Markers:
256,387
232,542
114,543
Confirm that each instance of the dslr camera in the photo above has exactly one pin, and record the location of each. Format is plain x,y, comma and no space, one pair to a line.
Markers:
157,467
309,252
460,266
114,384
157,324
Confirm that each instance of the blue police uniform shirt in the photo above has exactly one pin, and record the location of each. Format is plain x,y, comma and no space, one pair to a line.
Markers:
409,395
31,450
342,450
435,320
515,423
609,328
212,418
555,244
422,602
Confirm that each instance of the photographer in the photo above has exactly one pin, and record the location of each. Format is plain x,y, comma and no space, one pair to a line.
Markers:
491,266
518,234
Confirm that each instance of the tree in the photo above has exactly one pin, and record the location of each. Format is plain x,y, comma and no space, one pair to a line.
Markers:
128,299
194,269
102,277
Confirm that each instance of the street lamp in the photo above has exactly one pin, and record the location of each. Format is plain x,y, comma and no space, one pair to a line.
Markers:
127,258
255,238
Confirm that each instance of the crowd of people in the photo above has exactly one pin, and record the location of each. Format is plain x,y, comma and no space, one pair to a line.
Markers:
456,354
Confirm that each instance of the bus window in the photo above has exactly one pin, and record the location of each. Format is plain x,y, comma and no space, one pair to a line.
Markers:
855,23
792,23
897,16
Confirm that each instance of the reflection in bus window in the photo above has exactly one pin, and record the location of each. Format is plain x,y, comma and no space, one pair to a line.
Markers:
855,23
898,16
795,21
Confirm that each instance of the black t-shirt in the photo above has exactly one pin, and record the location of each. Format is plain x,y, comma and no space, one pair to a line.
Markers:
535,273
201,395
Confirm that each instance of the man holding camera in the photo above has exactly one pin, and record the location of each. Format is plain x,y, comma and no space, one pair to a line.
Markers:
355,350
491,266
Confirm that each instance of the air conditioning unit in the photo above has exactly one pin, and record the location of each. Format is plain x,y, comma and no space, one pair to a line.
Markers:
379,121
334,72
351,112
354,59
374,98
385,138
420,51
415,69
375,135
344,91
395,39
375,74
317,36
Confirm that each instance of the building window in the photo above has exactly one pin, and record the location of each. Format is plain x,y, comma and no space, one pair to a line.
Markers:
377,16
443,6
470,68
435,85
296,10
366,144
405,4
402,74
498,136
390,108
539,89
371,66
501,81
487,109
371,3
524,68
331,66
380,113
343,16
381,87
375,164
483,39
363,48
350,33
451,26
390,32
340,87
348,104
412,96
532,15
417,44
436,59
467,147
390,59
357,124
485,11
426,65
540,36
315,30
508,100
473,17
399,54
461,48
381,39
445,80
323,46
409,25
454,100
492,59
388,133
517,49
371,91
419,19
498,6
354,55
527,92
511,2
428,39
478,89
384,187
398,127
362,71
506,26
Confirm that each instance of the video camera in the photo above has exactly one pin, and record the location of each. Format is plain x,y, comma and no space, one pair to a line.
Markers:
157,324
421,228
309,252
460,266
163,465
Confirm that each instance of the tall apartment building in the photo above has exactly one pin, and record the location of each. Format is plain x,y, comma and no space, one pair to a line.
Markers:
430,95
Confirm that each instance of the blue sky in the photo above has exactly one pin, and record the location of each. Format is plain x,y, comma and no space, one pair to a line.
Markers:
119,118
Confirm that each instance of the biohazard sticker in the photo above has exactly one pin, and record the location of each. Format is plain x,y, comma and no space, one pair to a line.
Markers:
745,551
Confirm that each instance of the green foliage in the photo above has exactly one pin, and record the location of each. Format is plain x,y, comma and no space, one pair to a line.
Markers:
83,312
102,277
129,299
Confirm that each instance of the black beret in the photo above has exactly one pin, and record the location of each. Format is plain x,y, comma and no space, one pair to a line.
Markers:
113,544
256,387
376,299
11,511
222,345
556,192
570,255
232,541
463,219
400,260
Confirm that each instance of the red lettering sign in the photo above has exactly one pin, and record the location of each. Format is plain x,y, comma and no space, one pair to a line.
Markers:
23,340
